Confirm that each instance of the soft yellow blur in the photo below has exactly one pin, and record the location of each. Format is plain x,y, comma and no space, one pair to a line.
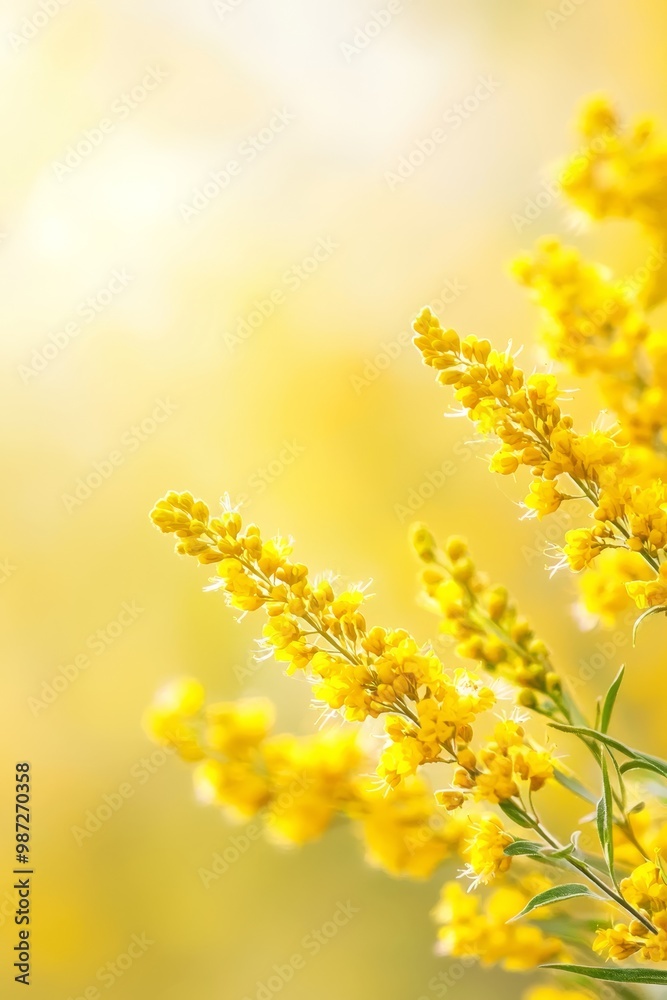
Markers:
210,263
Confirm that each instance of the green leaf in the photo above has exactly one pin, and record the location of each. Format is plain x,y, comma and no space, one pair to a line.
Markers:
659,609
609,974
640,765
513,812
572,785
557,894
519,847
641,759
610,700
605,819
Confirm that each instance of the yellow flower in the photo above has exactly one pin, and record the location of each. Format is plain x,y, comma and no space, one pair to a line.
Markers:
404,831
646,890
400,760
603,587
581,547
623,172
504,461
235,785
171,719
534,766
466,929
484,850
554,993
497,783
234,728
544,498
617,942
649,593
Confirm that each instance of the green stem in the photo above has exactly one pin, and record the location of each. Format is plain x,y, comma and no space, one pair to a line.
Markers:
588,872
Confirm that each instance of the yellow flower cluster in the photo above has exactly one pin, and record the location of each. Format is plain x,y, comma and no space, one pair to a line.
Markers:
645,889
493,774
521,411
299,785
598,326
481,619
524,414
404,830
355,669
467,928
589,321
624,174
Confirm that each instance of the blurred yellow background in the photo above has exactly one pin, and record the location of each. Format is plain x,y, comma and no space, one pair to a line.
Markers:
218,220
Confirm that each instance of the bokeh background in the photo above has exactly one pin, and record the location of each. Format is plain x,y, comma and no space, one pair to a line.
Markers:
319,415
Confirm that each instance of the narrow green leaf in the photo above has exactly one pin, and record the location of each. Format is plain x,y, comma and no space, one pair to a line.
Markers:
651,611
557,894
610,700
640,765
605,819
621,799
609,974
519,847
641,759
573,785
514,813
